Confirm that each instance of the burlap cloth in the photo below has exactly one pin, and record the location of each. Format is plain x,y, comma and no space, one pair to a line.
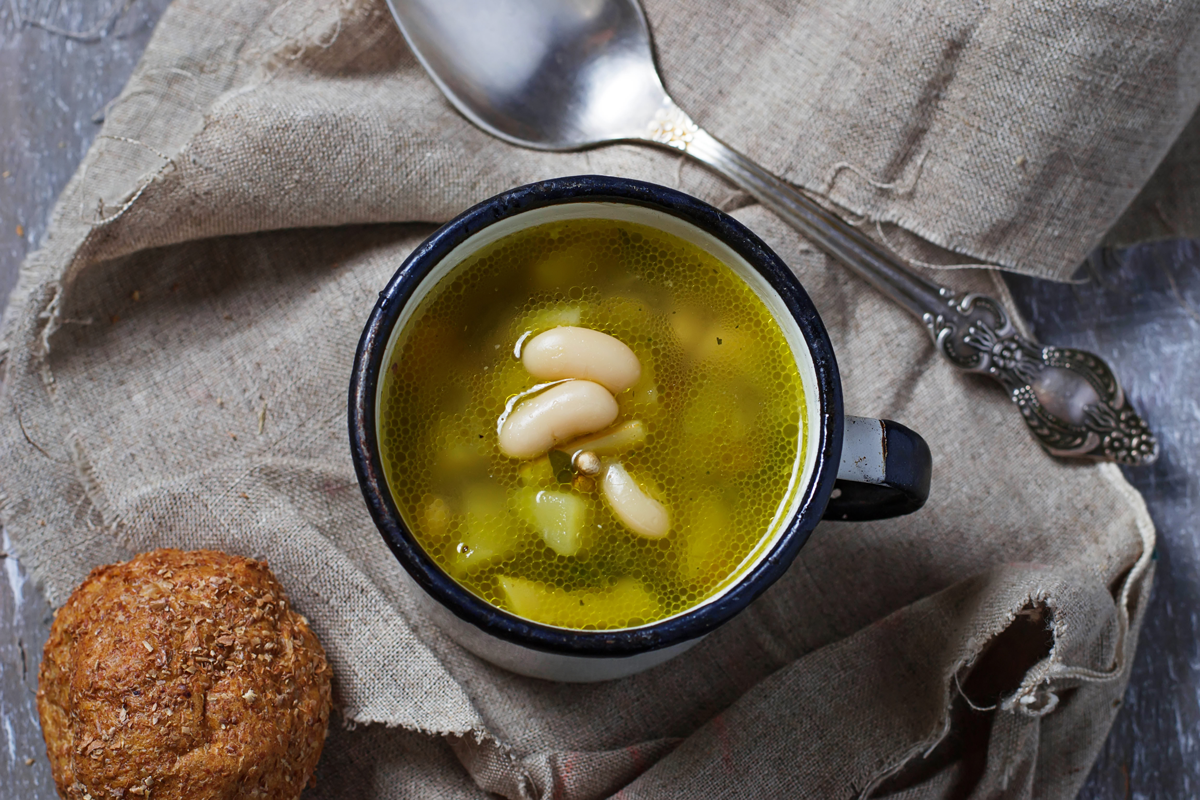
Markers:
179,351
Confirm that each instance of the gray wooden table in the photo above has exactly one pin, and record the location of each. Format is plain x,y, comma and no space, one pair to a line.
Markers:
1140,309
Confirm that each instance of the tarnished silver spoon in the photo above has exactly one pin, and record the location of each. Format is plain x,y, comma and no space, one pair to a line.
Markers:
571,74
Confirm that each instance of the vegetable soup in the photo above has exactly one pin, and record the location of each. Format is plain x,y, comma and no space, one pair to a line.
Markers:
592,424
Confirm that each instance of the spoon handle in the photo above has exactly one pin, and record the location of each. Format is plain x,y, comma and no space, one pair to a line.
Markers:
1069,398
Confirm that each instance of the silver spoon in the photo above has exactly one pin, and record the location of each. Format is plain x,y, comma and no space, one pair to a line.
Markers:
570,74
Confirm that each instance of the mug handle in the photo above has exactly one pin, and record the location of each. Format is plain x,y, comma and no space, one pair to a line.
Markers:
884,472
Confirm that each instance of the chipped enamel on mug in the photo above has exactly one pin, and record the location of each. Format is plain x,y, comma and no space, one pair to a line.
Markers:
850,468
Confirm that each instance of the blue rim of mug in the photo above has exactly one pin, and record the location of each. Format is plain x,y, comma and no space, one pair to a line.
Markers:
502,624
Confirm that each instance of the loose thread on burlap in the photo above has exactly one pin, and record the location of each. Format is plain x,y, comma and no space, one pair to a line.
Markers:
894,187
49,313
28,438
855,220
970,703
847,215
100,219
928,264
888,186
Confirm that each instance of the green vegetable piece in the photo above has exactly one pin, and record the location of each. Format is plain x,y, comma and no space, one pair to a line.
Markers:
537,472
706,542
560,518
627,599
554,317
560,465
488,534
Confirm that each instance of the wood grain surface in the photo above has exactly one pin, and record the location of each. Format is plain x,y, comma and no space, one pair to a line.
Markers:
1139,309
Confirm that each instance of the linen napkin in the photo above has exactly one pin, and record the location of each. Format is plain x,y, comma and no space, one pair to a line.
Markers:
178,354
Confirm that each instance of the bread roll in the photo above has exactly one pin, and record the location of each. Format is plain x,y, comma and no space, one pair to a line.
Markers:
182,675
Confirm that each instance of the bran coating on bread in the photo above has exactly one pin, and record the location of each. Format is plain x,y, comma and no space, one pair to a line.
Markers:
182,675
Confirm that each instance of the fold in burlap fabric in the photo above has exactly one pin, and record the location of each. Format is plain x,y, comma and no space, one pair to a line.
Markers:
178,355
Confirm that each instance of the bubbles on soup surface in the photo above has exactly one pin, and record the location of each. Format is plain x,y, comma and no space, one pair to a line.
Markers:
719,402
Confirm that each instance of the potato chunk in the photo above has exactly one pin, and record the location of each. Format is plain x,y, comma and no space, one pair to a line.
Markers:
627,600
559,517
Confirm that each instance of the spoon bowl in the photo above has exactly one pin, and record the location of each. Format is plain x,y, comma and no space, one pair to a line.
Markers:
546,74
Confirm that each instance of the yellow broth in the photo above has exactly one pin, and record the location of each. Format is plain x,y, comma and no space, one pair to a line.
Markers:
720,399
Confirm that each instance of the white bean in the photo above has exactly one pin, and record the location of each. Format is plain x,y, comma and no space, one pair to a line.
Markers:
571,352
558,414
637,511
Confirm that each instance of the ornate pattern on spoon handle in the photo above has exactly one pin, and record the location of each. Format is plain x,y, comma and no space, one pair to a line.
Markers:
1069,398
